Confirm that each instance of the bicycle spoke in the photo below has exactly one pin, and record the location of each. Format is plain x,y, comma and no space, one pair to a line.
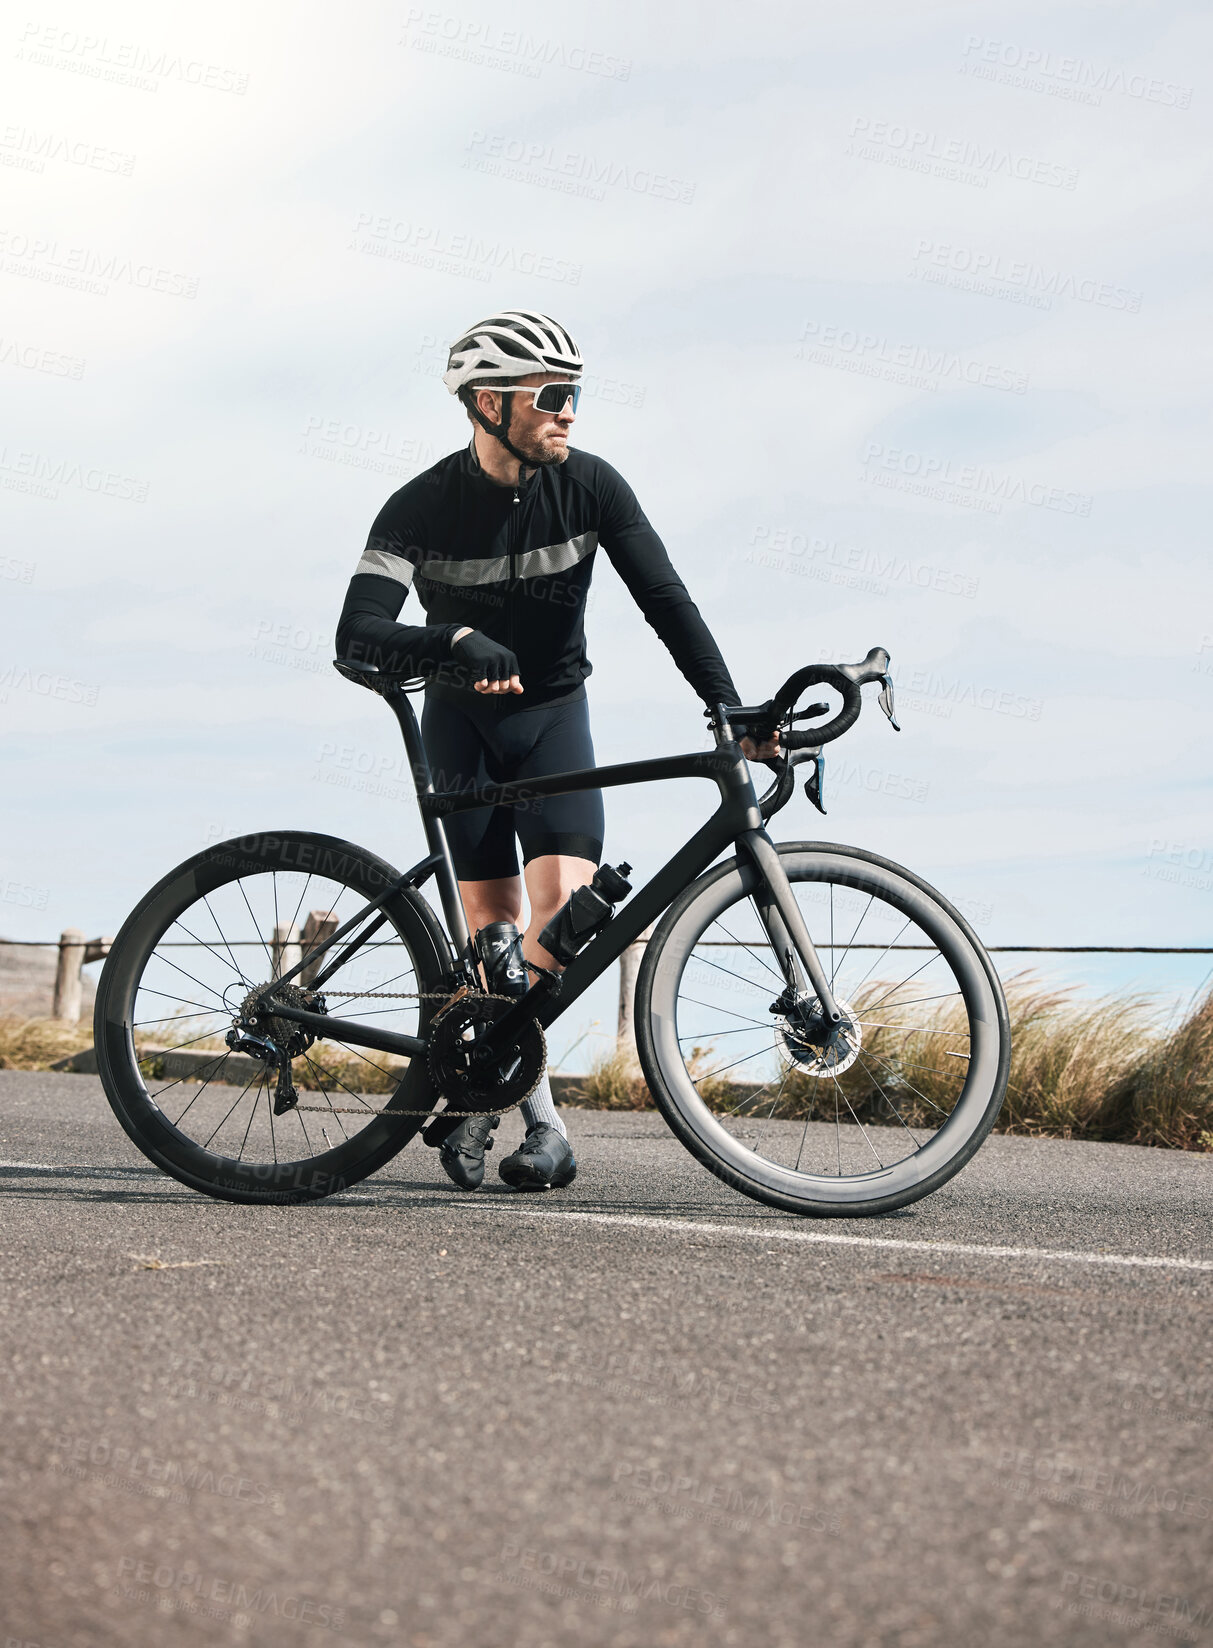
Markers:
863,916
724,1067
753,985
269,958
888,1100
762,962
175,1018
170,963
910,1085
369,1108
201,1090
858,987
327,1100
239,1096
222,940
294,921
713,1008
872,1005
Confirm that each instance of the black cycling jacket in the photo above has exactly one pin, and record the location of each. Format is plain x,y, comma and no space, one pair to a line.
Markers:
515,563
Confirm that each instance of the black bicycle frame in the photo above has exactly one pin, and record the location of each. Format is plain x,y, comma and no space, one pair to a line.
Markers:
737,819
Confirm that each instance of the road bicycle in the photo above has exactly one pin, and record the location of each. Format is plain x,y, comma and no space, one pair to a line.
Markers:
819,1027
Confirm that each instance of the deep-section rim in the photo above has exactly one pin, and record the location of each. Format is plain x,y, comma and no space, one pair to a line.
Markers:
310,1178
703,1134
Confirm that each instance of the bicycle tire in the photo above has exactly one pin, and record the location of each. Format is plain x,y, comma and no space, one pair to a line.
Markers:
147,1124
693,1122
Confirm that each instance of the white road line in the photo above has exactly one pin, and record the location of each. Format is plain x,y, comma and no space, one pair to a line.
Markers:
692,1227
689,1227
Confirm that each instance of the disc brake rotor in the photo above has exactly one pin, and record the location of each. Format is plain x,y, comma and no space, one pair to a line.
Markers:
816,1046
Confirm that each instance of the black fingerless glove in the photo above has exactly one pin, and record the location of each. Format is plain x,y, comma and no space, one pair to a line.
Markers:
486,660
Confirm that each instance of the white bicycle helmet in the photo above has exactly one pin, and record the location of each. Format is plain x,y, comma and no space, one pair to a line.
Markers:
505,345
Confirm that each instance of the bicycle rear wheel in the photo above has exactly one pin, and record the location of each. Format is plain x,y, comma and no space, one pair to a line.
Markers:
216,928
877,1113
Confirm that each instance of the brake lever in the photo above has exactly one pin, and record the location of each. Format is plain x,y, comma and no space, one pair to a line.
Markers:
813,783
886,700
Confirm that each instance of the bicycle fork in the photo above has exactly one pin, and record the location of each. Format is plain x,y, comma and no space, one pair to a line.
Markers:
785,926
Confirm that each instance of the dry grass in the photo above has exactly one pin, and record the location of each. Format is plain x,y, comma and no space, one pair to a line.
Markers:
1081,1068
35,1044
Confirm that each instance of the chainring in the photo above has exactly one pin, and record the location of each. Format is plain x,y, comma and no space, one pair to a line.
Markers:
474,1089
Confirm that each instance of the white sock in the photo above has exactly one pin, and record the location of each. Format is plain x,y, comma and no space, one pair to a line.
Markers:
539,1108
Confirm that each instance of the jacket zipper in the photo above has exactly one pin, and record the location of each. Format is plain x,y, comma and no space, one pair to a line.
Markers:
509,589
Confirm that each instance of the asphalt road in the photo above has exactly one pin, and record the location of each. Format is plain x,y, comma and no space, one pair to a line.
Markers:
642,1411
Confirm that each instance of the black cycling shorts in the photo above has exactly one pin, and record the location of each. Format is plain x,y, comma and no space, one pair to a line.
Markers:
491,742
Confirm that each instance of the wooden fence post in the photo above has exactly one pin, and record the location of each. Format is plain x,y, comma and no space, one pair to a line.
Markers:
287,949
629,966
66,1002
320,924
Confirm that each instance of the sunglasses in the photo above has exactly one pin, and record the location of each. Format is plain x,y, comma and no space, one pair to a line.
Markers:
549,397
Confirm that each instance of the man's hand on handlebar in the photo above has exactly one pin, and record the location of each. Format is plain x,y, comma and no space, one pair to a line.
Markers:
766,751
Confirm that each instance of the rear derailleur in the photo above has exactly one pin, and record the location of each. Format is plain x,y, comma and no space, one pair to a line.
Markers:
275,1041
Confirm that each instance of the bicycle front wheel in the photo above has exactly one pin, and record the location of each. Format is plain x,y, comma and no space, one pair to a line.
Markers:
207,936
856,1119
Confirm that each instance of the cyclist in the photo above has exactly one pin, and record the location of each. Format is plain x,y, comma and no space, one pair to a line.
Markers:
498,540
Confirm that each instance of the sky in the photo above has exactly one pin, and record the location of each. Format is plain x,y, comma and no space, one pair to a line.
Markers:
895,318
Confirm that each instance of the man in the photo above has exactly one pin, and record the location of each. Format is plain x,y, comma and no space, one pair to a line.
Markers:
499,541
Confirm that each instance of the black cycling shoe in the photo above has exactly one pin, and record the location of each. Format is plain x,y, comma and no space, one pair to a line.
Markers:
543,1161
461,1152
